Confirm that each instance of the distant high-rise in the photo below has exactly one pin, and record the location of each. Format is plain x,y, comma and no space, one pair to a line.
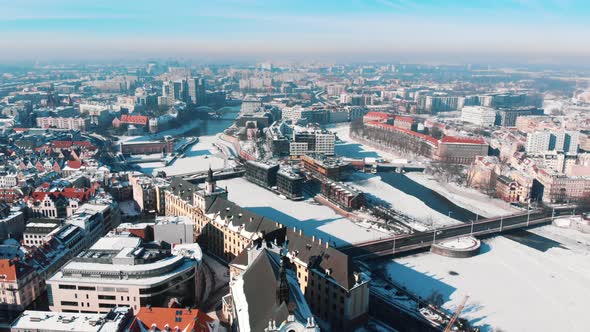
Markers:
196,91
543,141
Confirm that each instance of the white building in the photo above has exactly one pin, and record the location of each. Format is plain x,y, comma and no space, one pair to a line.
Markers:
543,141
479,115
118,271
114,321
324,143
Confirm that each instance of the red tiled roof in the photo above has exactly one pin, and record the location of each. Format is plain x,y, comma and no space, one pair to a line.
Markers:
69,144
193,320
134,119
427,138
75,164
463,140
404,118
13,269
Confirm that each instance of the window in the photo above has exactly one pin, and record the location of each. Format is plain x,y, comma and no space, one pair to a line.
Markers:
86,288
107,297
67,287
69,303
107,305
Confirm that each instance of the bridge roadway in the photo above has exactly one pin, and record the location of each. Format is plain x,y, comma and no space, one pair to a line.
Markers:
420,240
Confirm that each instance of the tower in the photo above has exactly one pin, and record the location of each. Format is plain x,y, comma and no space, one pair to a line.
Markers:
283,289
209,182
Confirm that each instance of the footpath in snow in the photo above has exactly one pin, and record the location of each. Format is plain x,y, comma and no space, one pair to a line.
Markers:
512,287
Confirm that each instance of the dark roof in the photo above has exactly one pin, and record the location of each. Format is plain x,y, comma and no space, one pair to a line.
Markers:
251,221
261,281
322,258
183,189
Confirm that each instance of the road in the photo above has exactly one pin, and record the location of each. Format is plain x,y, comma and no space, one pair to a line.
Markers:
419,240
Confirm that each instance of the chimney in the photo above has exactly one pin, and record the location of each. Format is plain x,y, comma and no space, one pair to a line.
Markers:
313,238
300,232
327,244
320,241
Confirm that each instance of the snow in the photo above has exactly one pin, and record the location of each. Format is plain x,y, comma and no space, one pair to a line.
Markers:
402,202
467,198
313,219
509,283
461,243
198,158
351,149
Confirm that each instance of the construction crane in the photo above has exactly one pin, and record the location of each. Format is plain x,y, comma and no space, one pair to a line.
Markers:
454,318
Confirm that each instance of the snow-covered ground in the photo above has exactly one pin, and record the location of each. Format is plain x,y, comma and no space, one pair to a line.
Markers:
198,158
400,201
511,286
351,149
314,219
467,198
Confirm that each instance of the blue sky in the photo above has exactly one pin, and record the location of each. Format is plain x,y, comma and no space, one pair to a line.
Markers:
274,28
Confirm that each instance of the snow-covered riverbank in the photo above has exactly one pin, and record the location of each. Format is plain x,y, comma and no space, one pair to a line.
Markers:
466,198
511,286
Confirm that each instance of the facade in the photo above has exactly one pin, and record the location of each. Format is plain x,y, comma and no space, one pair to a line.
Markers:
543,141
405,122
70,123
506,117
147,147
479,115
174,230
37,230
461,150
326,168
262,174
120,271
290,183
343,195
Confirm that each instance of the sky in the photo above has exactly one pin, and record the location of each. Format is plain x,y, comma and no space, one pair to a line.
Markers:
536,30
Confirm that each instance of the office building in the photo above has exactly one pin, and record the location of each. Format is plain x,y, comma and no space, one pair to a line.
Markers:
479,115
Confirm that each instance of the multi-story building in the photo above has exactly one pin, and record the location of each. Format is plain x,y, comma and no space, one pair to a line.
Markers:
70,123
262,174
120,271
196,91
405,122
326,167
172,319
37,230
436,104
327,277
147,147
561,141
115,320
174,230
461,150
506,117
144,192
262,277
343,195
20,285
290,183
479,115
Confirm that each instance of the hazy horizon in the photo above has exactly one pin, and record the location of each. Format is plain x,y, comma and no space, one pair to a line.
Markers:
527,31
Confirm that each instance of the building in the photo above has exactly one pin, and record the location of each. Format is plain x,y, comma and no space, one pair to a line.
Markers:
405,122
461,150
144,192
174,230
506,117
155,319
479,115
343,195
115,320
119,271
436,104
197,91
12,222
378,116
37,230
561,141
322,167
20,285
290,183
147,147
265,294
262,174
69,123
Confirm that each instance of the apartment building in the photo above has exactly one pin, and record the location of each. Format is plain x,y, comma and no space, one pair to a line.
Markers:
479,115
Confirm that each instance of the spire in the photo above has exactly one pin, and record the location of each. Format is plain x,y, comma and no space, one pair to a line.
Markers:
283,290
210,175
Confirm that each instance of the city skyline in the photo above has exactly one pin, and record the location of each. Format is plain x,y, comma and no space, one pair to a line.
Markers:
540,31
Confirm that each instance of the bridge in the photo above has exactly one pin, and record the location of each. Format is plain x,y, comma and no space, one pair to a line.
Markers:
400,244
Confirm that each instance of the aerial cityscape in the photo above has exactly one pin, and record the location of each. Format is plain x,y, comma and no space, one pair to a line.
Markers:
294,166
